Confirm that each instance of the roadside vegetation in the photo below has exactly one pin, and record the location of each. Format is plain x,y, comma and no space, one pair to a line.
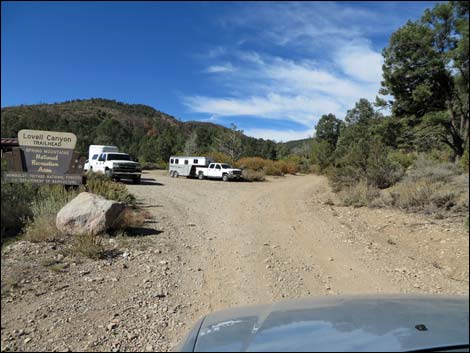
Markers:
29,213
416,158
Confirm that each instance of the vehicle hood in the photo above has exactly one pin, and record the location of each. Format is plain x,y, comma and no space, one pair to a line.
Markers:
337,324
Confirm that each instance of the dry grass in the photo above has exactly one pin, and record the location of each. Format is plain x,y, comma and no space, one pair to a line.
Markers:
48,202
252,175
358,195
88,245
132,218
42,229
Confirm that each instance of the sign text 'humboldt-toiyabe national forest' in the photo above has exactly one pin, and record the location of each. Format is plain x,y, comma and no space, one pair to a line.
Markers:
45,157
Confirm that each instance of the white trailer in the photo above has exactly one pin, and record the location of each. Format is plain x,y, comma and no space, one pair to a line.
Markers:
186,165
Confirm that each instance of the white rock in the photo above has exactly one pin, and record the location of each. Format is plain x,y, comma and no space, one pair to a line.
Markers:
88,214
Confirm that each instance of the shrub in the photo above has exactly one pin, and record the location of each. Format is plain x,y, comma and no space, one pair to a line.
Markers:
48,201
102,185
88,245
322,153
402,158
272,168
415,195
359,195
426,168
253,175
381,171
287,167
314,169
253,163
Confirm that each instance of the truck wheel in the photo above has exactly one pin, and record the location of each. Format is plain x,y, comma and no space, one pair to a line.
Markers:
201,176
225,177
108,173
136,179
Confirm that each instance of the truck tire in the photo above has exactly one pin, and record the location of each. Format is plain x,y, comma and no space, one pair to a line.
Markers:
108,173
201,176
136,179
225,177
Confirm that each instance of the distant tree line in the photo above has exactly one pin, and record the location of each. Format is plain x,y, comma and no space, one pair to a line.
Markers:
145,133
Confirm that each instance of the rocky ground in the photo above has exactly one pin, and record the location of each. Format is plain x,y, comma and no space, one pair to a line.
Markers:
213,245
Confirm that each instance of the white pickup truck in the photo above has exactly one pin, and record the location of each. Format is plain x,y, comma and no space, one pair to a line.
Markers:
219,171
116,165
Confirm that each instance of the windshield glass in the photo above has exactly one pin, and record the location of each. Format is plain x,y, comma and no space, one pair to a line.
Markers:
118,157
226,166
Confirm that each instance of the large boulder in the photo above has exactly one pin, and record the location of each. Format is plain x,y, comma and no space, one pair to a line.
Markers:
88,214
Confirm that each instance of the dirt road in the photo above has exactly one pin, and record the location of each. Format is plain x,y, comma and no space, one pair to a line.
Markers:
213,245
251,243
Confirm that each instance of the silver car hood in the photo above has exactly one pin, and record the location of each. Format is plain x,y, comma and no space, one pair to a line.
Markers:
336,324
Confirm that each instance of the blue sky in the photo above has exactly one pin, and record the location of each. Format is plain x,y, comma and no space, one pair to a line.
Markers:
271,68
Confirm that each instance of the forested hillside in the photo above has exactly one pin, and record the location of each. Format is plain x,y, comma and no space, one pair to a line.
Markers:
146,133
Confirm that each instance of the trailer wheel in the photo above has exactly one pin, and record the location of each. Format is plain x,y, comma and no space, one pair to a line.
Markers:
175,174
171,174
225,177
201,176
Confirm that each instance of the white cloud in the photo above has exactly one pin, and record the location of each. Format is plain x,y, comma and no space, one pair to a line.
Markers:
283,90
325,63
358,60
279,135
228,67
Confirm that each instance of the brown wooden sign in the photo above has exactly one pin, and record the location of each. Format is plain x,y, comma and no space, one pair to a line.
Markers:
44,157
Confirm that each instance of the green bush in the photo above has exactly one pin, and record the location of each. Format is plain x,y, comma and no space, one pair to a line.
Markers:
366,160
402,158
272,168
101,185
322,153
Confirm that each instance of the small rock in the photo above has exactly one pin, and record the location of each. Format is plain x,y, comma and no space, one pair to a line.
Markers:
149,348
330,259
111,326
27,340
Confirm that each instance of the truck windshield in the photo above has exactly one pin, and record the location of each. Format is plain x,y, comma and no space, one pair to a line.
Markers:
118,157
226,166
